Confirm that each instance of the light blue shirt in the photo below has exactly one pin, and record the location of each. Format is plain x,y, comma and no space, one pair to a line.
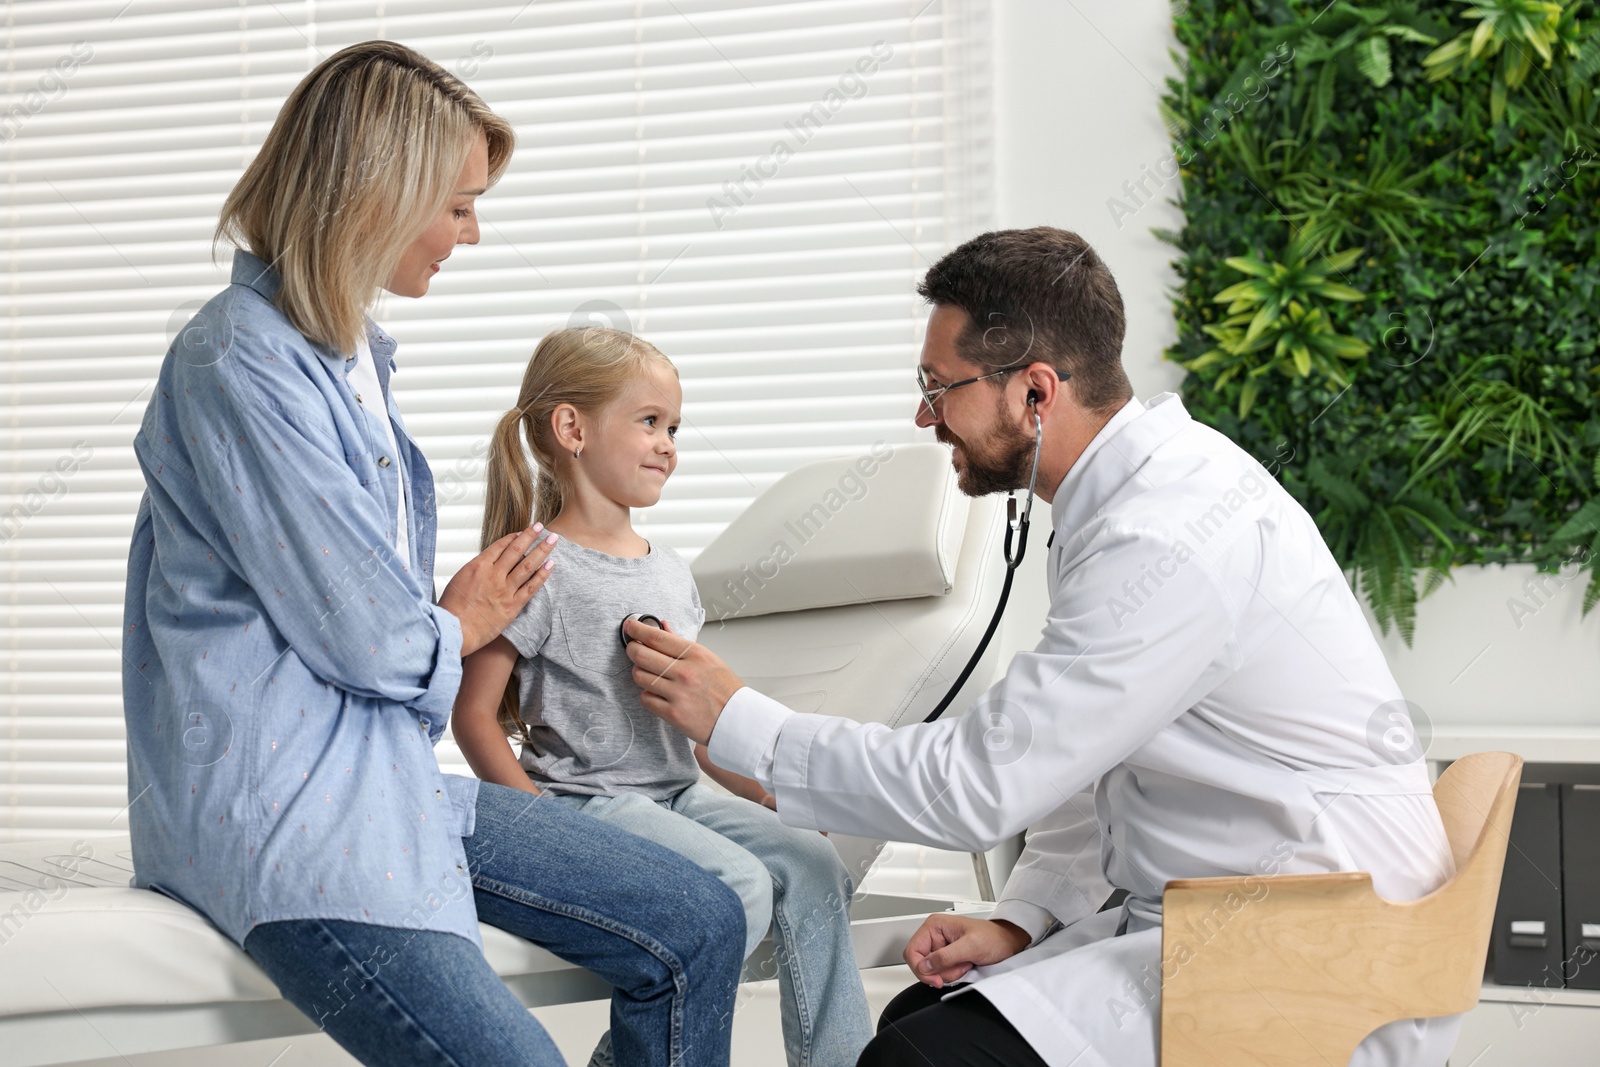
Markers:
285,673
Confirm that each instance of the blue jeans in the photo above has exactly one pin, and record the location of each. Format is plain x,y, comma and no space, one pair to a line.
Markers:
638,915
789,879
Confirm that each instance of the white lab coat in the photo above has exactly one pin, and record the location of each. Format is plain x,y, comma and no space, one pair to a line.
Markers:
1206,671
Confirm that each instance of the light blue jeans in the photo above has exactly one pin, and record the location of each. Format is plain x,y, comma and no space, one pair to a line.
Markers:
789,879
590,893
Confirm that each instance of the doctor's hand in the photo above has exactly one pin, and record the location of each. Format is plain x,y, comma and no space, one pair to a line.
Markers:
682,682
947,946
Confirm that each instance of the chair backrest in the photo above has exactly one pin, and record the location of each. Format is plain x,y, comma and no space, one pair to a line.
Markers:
873,660
1305,971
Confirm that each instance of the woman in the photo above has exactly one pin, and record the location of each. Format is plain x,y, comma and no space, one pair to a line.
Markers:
286,669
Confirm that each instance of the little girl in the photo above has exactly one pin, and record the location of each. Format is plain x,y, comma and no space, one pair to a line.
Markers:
599,409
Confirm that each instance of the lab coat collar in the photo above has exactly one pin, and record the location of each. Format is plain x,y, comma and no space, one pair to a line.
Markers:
1121,446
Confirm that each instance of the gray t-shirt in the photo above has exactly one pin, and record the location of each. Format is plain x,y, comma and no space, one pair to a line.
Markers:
591,736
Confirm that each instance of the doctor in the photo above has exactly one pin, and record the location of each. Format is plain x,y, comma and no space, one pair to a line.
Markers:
1204,669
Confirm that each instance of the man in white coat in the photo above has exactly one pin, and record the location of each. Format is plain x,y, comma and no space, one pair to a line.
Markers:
1204,669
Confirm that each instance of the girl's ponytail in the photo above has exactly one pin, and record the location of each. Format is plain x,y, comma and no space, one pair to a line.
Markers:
508,503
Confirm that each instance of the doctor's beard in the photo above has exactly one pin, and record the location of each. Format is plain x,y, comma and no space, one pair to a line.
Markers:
1004,462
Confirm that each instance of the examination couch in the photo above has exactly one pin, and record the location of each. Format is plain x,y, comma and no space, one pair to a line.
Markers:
857,585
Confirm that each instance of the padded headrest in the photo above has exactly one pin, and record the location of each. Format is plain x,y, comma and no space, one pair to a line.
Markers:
885,524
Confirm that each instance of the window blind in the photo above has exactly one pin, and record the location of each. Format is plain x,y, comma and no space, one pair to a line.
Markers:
755,187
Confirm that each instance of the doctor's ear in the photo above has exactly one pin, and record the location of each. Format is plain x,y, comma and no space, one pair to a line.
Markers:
1034,394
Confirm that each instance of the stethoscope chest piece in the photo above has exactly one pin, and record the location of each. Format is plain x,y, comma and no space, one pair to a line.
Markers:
638,616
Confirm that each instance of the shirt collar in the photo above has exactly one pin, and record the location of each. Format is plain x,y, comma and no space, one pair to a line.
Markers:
1122,444
255,273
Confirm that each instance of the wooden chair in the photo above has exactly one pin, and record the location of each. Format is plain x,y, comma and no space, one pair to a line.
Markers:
1316,963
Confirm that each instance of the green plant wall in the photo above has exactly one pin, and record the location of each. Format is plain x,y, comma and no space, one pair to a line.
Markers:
1388,274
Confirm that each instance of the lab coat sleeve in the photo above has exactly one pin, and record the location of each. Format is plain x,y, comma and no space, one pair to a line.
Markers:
746,734
1035,920
1059,874
1139,630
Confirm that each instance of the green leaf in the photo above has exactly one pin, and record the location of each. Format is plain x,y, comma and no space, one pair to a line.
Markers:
1253,290
1442,61
1372,60
1407,33
1339,262
1204,360
1250,265
1346,347
1585,522
1247,397
1264,321
1587,63
1337,291
1324,97
1481,38
1302,358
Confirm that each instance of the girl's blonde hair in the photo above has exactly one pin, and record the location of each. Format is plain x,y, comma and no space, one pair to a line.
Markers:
587,367
363,156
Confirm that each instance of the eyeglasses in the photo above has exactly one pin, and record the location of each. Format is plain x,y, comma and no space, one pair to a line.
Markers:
931,396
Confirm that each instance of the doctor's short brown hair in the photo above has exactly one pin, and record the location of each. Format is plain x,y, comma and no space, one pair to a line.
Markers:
1037,294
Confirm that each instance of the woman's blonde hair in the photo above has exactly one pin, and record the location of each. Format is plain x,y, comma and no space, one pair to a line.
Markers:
363,156
587,367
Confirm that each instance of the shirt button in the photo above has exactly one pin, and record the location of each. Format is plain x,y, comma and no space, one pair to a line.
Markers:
438,792
359,400
349,359
383,461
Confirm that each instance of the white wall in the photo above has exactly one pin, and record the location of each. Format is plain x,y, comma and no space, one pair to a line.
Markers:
1076,86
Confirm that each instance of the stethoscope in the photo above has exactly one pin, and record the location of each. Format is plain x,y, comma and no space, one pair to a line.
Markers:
638,616
1016,527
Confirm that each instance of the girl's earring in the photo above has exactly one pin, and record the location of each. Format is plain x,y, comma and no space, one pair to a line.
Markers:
578,453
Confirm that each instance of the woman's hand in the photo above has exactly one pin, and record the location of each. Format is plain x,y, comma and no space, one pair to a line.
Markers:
947,946
491,589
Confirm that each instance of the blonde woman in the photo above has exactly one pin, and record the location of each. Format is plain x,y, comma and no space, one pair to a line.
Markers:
287,667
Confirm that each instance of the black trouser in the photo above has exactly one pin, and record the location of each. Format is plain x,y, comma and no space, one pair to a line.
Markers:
918,1029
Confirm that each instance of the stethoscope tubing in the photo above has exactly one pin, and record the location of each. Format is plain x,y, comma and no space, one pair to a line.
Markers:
1016,526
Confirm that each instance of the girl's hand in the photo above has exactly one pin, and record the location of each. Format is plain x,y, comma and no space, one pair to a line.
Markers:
492,588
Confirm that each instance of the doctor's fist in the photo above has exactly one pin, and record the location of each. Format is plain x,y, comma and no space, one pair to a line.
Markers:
947,946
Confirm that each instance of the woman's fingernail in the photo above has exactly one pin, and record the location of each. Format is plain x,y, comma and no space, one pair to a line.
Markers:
536,527
552,538
549,563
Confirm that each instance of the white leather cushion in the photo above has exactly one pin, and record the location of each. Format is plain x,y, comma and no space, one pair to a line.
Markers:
883,524
74,937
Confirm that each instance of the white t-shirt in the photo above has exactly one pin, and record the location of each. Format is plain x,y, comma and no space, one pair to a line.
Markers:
363,379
